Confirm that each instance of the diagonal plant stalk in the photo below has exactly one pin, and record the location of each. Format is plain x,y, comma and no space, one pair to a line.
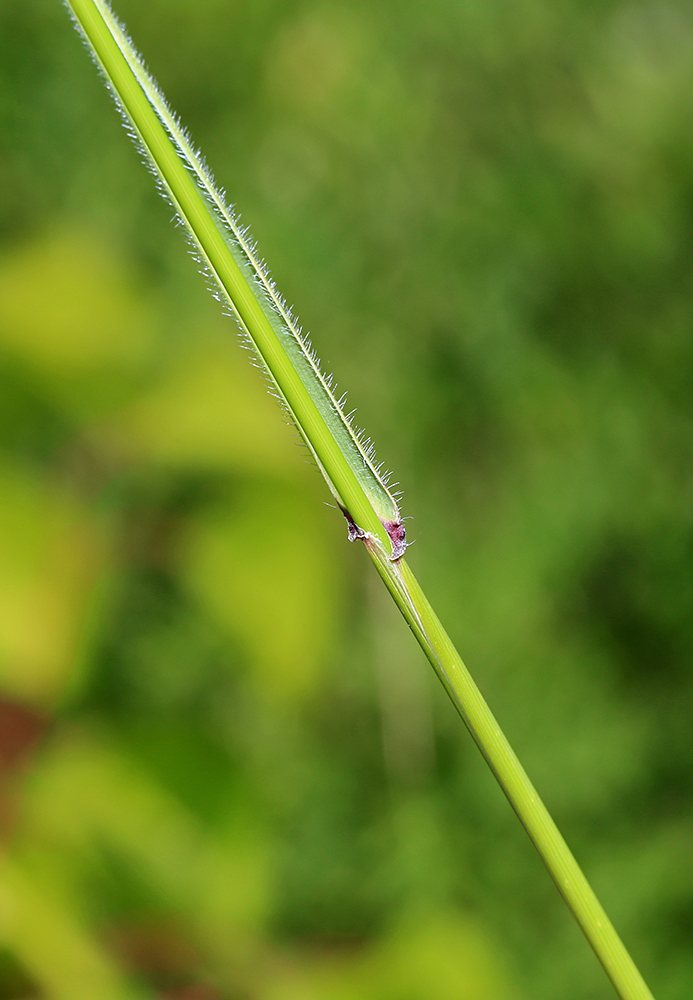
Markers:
239,279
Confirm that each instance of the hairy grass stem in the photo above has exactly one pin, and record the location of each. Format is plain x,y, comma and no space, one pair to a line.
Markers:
241,282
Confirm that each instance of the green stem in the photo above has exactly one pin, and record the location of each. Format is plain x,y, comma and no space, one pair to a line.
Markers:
140,101
512,778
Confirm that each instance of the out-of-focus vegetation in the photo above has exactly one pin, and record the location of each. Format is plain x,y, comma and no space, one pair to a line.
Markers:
225,770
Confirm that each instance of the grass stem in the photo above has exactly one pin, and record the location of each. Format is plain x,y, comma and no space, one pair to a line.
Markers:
243,286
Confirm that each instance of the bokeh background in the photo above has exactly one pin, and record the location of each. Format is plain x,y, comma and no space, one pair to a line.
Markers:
227,771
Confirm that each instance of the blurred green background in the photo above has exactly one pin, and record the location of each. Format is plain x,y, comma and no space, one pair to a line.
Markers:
227,771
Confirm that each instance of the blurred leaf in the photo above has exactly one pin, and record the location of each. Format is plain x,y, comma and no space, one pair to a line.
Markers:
429,956
208,412
89,792
53,554
61,956
263,569
70,312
